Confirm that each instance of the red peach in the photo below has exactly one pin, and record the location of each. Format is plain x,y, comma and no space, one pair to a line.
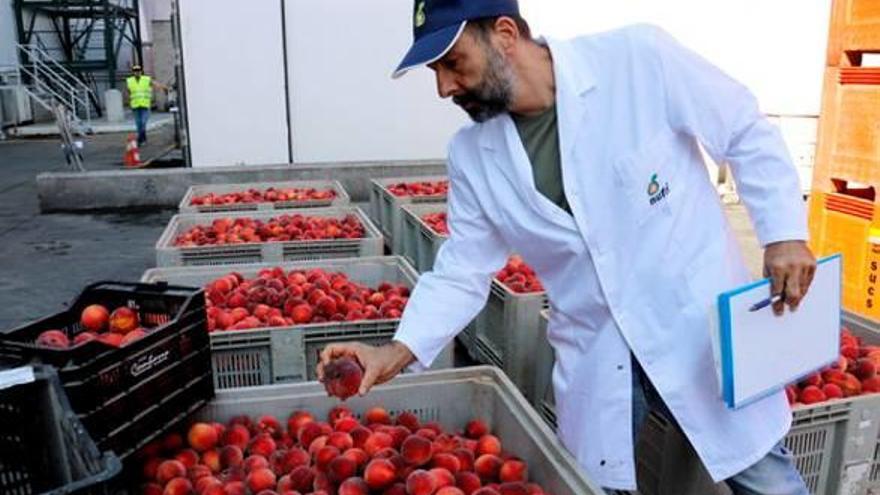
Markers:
811,394
513,470
84,337
53,339
380,473
416,450
151,489
442,477
353,486
449,490
111,339
342,377
360,435
486,491
168,470
123,320
420,482
340,440
377,415
871,385
395,489
514,488
409,420
345,425
296,421
302,478
832,391
488,465
263,445
476,429
95,318
237,435
324,456
261,479
308,433
378,441
178,486
359,456
488,444
235,488
202,436
447,461
254,462
465,457
468,482
204,483
341,468
269,424
231,455
865,369
198,471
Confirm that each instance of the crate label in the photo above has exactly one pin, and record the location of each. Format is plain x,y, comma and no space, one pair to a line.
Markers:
865,424
148,362
873,274
16,376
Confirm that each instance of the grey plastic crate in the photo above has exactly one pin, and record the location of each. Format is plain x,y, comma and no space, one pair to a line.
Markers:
44,448
419,242
835,444
265,252
289,354
450,397
341,199
505,333
542,397
386,206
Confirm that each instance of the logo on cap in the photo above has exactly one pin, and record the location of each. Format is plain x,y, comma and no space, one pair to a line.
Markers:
420,15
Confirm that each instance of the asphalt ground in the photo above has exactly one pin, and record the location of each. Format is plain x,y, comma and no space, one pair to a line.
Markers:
46,259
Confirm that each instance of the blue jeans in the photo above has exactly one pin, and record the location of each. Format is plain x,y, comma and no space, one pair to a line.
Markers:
775,474
140,122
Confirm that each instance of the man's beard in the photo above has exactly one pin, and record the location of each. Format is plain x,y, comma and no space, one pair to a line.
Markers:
493,94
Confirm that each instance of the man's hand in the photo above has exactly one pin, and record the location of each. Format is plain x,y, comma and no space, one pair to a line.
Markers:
380,363
791,267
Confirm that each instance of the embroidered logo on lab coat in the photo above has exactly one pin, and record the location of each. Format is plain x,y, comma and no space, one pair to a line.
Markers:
656,192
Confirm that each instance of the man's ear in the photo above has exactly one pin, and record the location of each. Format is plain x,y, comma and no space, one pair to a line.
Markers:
506,34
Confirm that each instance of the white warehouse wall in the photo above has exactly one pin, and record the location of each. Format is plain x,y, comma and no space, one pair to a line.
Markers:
8,35
776,48
236,104
344,105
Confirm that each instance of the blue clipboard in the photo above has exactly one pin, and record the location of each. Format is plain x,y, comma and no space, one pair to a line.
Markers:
758,353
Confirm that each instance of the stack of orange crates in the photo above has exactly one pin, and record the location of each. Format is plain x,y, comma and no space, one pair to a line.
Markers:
844,212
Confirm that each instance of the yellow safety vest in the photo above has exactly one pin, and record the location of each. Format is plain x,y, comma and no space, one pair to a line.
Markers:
140,91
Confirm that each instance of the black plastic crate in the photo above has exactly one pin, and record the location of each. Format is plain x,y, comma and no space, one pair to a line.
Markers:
126,396
43,445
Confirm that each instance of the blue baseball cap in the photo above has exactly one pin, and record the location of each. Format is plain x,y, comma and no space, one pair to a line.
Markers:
437,25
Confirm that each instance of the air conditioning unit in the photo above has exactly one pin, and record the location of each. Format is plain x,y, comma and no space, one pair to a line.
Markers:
15,106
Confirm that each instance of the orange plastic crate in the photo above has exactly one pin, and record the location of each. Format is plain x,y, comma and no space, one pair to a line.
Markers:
851,226
849,134
855,28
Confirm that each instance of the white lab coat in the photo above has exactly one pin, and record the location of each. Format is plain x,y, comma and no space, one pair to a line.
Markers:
639,265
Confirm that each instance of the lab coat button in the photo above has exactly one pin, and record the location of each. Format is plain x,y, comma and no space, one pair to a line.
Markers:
602,463
619,367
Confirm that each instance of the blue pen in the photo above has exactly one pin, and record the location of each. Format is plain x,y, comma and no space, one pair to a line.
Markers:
767,302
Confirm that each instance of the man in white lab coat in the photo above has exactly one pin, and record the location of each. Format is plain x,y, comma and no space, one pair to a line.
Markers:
584,159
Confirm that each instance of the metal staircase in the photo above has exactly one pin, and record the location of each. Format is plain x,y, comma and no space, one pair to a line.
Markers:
50,85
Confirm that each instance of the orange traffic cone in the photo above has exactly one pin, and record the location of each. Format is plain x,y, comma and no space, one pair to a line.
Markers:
132,156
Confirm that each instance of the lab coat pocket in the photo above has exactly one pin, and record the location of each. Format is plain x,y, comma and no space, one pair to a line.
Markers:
646,178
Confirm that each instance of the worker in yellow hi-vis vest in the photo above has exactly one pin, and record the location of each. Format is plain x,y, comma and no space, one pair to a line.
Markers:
140,96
